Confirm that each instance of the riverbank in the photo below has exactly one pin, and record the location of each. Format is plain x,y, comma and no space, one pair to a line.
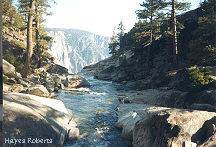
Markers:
31,117
153,112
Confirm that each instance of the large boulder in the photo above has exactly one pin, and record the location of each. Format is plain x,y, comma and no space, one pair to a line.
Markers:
9,70
127,118
170,127
76,81
57,69
33,119
38,90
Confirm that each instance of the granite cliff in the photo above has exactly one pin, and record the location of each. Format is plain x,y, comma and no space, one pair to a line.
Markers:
75,48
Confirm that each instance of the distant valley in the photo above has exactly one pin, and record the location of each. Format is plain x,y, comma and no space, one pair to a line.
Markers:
75,48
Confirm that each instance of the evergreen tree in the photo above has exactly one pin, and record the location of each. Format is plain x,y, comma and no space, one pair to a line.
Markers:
34,9
151,13
203,45
120,35
29,39
180,7
113,43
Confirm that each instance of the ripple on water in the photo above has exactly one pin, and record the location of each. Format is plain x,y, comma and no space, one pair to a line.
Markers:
94,112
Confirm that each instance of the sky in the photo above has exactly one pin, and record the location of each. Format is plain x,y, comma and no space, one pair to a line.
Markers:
97,16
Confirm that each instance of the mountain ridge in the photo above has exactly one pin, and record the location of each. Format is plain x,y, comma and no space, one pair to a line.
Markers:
75,48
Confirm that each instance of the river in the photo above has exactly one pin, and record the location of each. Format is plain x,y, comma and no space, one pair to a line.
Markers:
94,111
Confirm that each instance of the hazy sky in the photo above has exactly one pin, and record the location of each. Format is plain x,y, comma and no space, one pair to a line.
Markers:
97,16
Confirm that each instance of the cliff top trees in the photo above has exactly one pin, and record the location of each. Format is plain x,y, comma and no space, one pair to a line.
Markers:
34,10
203,43
151,13
115,44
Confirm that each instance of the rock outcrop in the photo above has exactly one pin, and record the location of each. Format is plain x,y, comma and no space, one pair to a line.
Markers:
35,121
76,81
148,125
77,48
38,90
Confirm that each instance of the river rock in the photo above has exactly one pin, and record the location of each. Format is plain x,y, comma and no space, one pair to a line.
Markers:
128,115
76,81
27,116
126,123
168,127
38,90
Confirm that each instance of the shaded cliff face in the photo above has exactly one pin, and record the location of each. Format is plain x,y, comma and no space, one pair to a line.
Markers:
75,49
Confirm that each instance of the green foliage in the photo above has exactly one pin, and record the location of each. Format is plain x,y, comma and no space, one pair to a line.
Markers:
19,45
203,46
5,79
197,80
12,18
17,62
113,43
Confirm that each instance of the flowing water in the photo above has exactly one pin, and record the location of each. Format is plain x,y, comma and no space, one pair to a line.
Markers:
94,111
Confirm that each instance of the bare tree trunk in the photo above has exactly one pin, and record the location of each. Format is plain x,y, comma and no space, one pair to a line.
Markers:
175,50
149,46
168,44
37,24
29,40
168,50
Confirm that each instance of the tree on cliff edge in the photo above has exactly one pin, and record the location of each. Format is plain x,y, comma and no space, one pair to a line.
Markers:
113,43
151,13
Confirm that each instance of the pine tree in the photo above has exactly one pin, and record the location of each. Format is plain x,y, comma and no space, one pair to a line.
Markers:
203,45
113,43
34,9
120,35
180,7
24,72
151,13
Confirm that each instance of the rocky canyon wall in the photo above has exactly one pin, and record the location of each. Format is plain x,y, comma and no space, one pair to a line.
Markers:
75,48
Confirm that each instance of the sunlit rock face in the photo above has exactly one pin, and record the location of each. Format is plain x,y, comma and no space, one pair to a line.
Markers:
75,49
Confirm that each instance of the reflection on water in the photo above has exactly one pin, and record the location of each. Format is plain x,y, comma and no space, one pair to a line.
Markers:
94,112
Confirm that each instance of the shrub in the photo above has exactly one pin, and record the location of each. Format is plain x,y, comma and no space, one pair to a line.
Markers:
17,62
5,79
197,80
